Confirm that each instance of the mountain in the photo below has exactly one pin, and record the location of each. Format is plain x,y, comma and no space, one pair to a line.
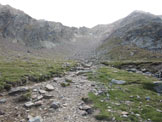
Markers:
139,34
20,27
21,33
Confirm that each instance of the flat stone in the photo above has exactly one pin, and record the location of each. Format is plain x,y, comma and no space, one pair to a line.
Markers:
29,104
82,72
39,97
132,70
18,90
49,87
119,82
47,96
84,107
36,119
124,113
42,91
3,101
38,103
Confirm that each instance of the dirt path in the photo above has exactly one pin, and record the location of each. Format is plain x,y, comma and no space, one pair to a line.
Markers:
71,108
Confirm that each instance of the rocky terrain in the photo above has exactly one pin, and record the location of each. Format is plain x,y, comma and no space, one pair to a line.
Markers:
53,73
60,99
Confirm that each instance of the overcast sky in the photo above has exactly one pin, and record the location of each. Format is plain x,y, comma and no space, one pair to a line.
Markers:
84,12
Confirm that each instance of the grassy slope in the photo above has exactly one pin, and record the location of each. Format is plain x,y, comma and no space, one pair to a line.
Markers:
137,88
113,50
18,72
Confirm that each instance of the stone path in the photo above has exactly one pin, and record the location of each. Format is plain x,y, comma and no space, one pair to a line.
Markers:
66,98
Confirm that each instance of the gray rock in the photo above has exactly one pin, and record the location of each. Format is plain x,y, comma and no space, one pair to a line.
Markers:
158,86
82,72
18,90
88,109
42,91
38,103
49,87
147,98
2,112
88,65
29,104
55,79
3,100
83,113
36,119
119,82
55,105
39,97
132,70
47,96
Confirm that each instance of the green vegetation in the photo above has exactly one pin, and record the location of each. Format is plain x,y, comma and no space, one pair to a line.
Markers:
68,80
151,66
19,72
137,97
25,97
114,50
65,84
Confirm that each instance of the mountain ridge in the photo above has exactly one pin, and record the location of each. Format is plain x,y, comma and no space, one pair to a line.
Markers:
139,29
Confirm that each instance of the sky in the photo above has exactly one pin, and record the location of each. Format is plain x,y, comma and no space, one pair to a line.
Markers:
80,13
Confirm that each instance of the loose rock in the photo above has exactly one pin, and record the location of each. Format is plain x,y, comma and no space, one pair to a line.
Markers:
36,119
49,87
42,91
3,101
55,105
119,82
18,90
47,96
29,104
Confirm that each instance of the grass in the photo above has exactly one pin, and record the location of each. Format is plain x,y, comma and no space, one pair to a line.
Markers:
19,72
114,50
152,66
130,97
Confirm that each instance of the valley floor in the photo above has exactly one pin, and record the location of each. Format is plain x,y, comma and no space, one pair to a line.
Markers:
85,93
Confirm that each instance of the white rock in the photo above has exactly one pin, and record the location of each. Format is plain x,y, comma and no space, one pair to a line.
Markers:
49,87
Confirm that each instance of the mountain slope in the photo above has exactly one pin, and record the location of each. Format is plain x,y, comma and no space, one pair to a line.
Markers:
21,28
140,31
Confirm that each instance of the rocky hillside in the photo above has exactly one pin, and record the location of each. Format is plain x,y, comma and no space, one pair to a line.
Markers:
135,36
21,28
139,32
